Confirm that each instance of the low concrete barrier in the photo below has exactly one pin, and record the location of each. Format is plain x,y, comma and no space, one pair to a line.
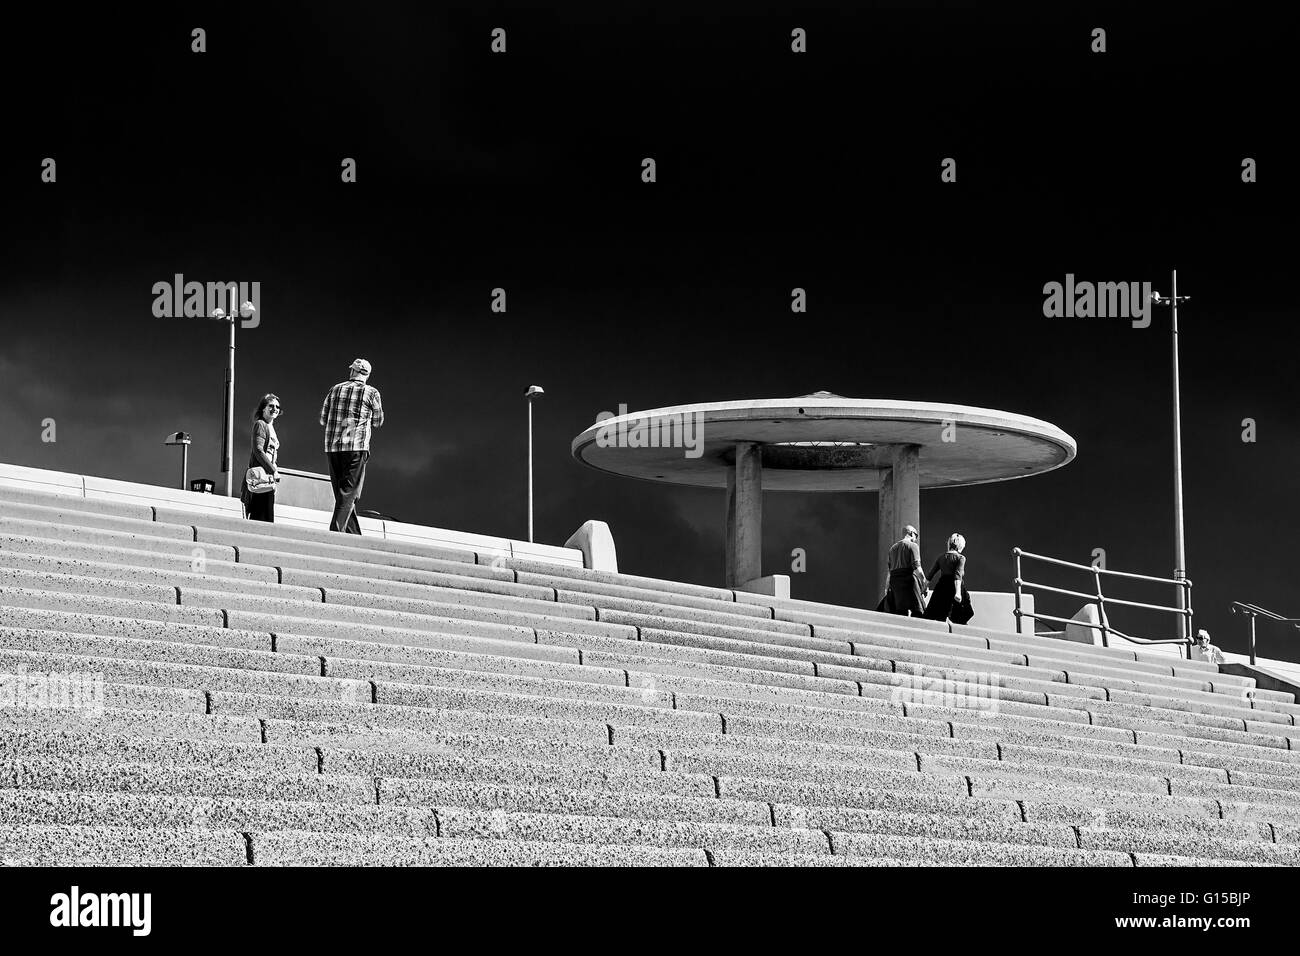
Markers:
92,488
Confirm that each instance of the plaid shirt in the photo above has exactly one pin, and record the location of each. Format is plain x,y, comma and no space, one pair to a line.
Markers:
350,408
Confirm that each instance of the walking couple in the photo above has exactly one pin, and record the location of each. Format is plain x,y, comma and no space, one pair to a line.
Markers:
949,600
351,408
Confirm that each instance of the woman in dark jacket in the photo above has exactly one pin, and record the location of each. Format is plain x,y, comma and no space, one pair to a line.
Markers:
950,569
265,453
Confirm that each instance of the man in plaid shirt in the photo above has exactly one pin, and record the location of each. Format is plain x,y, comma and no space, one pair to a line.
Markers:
349,411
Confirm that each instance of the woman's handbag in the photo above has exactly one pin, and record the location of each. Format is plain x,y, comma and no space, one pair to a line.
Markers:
962,612
258,481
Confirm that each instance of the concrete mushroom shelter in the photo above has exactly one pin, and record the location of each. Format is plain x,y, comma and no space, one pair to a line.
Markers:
818,443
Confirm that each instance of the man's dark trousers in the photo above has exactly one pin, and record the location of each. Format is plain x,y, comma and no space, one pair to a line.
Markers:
347,475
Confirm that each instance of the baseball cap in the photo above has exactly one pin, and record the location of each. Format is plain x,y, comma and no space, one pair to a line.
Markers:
360,365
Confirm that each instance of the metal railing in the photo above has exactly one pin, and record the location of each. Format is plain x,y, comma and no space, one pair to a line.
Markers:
1100,600
1253,611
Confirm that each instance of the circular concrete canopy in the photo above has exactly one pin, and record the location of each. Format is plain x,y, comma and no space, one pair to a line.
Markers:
823,442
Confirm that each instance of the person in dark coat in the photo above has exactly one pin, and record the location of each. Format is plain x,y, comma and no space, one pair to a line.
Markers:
906,590
265,454
946,578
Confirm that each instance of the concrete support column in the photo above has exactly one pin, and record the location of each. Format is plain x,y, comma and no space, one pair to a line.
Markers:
900,501
745,516
885,536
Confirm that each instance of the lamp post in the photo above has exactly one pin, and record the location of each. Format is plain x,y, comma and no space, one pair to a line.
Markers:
533,392
228,427
182,439
1180,556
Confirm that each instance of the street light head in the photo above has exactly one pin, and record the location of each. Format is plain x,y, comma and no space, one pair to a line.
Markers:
177,438
534,390
218,313
247,309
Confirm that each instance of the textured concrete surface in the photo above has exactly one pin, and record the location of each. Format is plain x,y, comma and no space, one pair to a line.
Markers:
470,654
895,750
80,518
643,708
1049,791
984,769
73,501
1010,729
751,670
362,549
121,846
867,731
670,606
565,749
289,848
435,600
466,581
217,562
964,853
998,828
74,808
1019,755
523,752
750,859
125,748
1173,820
679,653
83,586
337,620
137,723
479,771
53,625
541,714
597,685
589,578
459,823
77,534
1161,859
746,761
79,774
727,645
593,803
1193,845
120,574
16,602
756,629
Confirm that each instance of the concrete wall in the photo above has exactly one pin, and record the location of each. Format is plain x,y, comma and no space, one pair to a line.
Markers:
304,489
994,609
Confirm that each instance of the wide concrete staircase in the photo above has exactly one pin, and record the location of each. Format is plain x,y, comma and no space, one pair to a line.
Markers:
276,695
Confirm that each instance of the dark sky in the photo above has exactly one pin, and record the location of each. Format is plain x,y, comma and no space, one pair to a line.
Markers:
775,170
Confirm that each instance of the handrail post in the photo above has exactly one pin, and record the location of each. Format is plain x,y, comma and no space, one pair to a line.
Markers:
1016,552
1101,609
1252,639
1187,613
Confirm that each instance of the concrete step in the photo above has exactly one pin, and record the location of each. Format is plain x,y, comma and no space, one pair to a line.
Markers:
461,823
1078,793
207,677
299,848
12,495
522,707
100,573
953,852
130,845
143,540
65,551
593,803
1125,818
120,748
72,773
1190,845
